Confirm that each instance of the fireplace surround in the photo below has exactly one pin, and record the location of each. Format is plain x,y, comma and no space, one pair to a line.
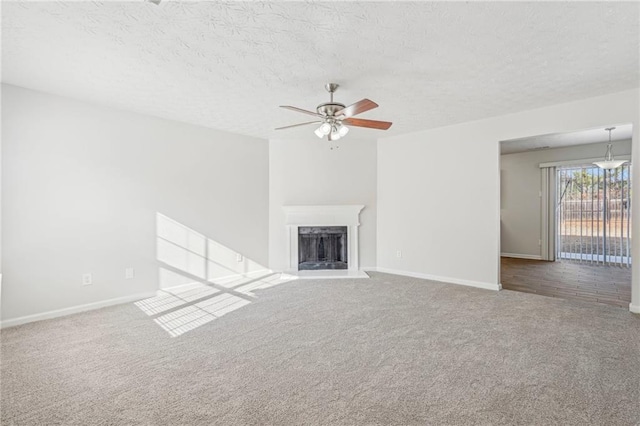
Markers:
324,217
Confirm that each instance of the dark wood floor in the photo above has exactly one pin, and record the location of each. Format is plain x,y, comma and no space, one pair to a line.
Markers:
569,280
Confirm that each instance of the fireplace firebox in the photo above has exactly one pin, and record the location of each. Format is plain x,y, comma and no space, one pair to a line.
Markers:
322,247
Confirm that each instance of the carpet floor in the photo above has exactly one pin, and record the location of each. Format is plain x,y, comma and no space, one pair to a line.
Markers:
389,350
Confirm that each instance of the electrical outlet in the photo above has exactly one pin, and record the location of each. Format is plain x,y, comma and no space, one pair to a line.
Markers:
129,273
87,279
398,253
239,257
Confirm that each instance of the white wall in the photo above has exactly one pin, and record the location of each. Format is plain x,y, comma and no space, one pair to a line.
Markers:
439,190
84,186
520,176
82,189
307,172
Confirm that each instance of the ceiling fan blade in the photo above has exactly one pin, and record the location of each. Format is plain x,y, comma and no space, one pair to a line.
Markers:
304,111
296,125
372,124
357,108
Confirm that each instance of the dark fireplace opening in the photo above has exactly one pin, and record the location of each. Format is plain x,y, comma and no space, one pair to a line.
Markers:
322,247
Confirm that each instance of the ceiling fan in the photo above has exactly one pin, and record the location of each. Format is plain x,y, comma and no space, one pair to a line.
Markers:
333,116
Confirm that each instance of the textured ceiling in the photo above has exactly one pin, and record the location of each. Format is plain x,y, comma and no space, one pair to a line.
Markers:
559,140
229,65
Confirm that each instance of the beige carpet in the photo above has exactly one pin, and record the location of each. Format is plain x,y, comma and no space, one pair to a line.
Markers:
389,350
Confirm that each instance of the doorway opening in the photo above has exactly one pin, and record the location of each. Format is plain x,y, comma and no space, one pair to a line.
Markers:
565,223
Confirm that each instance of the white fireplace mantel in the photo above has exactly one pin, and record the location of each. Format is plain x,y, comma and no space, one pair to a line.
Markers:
331,215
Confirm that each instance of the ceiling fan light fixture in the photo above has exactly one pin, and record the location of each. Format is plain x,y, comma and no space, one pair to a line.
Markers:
609,162
323,130
335,133
343,130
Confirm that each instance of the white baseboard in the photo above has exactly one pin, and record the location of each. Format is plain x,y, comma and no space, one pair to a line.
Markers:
227,279
233,277
75,309
368,268
522,256
634,308
477,284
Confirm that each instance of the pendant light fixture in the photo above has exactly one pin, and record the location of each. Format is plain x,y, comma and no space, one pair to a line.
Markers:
609,162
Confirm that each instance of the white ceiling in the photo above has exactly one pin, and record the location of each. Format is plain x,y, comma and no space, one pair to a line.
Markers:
228,65
560,140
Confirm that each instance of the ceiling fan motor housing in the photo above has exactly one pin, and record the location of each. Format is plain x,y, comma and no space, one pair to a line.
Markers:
330,108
